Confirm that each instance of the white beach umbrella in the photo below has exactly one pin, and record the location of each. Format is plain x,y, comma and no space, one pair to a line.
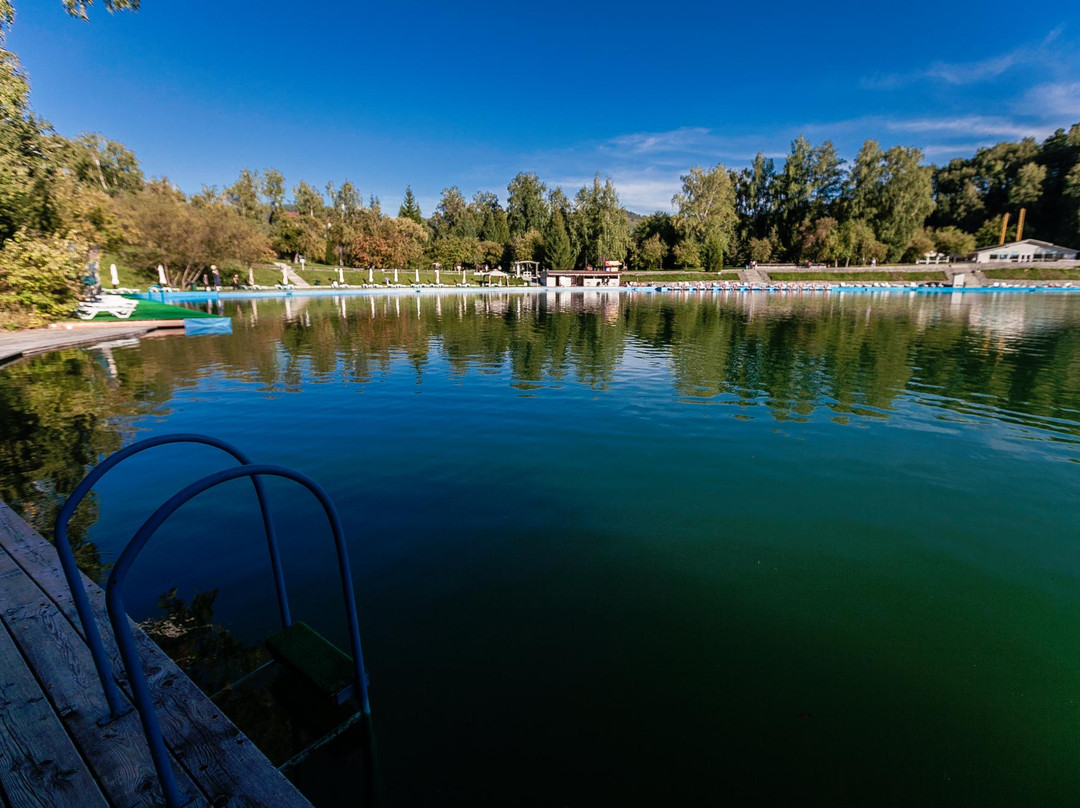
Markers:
115,277
436,276
418,276
251,276
161,275
341,275
395,276
370,275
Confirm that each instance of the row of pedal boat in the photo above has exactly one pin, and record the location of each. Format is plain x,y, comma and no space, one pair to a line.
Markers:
757,287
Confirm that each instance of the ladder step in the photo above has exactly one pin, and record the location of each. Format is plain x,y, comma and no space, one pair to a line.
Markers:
325,666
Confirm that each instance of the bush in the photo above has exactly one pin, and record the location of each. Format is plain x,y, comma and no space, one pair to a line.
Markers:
40,278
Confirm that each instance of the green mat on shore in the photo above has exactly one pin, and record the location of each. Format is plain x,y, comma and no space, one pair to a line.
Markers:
150,310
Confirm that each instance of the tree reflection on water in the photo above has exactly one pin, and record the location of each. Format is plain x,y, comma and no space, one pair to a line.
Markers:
1008,355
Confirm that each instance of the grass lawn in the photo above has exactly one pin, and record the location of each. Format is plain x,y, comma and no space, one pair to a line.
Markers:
1034,274
678,275
135,278
326,275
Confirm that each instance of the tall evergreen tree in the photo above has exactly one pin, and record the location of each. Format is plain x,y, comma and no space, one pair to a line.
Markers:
410,208
493,220
557,250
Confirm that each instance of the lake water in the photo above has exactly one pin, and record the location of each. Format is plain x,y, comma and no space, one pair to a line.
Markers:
630,550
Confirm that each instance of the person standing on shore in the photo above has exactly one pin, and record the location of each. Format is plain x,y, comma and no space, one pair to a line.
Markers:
217,277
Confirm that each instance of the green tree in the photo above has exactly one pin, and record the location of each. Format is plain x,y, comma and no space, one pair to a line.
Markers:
705,213
1028,186
557,200
989,232
754,204
821,240
858,243
808,187
308,201
557,250
921,245
273,191
111,165
760,249
185,239
906,199
76,8
26,174
863,194
659,224
454,216
342,226
306,233
649,254
39,279
688,253
410,208
953,242
600,229
528,246
525,205
452,251
493,219
243,195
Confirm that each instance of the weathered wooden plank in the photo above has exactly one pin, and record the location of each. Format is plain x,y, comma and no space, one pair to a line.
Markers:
116,754
39,765
227,767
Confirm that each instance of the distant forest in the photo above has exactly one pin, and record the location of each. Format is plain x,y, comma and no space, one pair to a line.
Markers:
62,199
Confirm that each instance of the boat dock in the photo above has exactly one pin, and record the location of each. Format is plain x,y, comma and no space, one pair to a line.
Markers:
54,752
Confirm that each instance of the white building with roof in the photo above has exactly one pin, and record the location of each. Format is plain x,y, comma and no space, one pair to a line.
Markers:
1029,250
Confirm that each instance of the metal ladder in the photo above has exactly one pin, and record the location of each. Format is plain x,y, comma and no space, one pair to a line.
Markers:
118,618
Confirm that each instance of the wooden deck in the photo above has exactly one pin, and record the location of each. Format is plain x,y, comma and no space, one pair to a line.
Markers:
52,751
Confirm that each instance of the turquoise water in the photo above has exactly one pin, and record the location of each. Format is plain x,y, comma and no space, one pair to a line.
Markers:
633,550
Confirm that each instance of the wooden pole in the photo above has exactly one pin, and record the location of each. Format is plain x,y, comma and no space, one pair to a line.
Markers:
1020,225
1004,227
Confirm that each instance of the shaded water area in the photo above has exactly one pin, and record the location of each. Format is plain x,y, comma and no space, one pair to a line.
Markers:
629,550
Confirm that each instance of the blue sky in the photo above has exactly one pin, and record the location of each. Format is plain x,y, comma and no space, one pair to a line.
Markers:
434,94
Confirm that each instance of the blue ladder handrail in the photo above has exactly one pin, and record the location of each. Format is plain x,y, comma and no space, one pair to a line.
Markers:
122,630
115,699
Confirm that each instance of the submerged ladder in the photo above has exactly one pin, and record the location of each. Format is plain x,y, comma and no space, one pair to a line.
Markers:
299,648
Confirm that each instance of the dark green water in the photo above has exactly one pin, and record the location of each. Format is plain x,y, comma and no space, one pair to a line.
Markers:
632,551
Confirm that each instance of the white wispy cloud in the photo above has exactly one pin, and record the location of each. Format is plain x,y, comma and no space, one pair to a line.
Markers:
964,73
1060,100
970,125
646,192
950,150
677,140
685,146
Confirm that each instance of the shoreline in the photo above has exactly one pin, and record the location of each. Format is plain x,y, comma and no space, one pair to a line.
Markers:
16,345
675,286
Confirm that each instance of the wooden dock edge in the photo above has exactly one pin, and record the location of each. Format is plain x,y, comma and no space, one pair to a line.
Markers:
214,762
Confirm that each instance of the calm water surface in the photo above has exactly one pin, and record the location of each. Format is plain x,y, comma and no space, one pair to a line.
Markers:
615,550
